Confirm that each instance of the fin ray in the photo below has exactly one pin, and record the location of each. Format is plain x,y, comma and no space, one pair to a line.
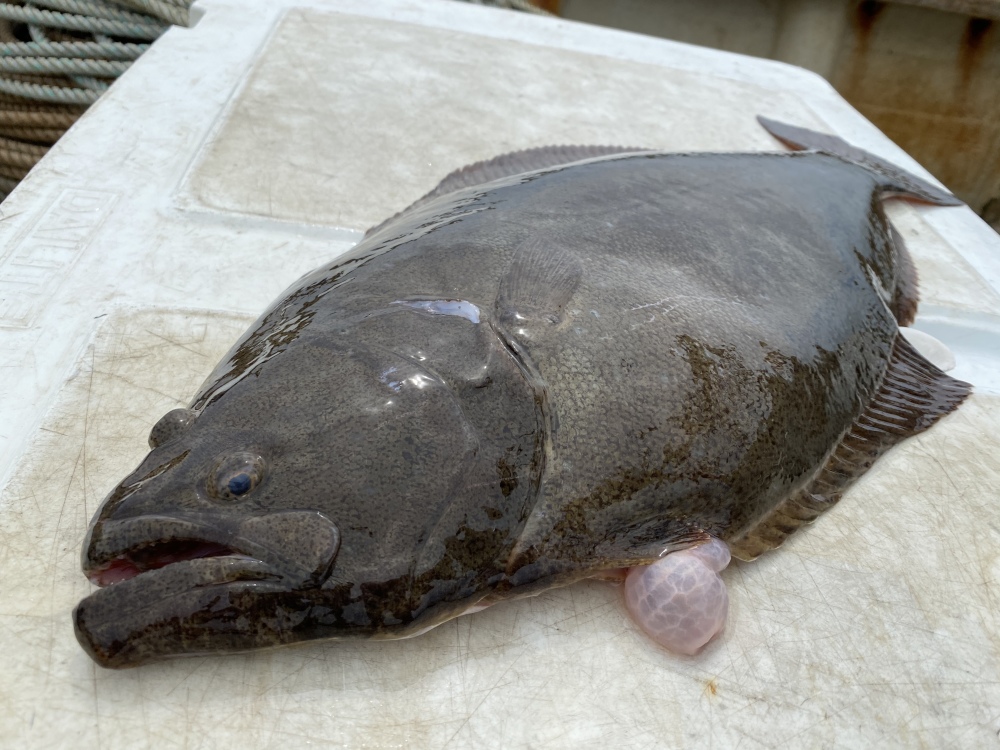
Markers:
507,165
539,283
913,396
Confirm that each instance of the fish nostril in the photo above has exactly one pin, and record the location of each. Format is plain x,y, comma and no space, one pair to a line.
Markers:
170,425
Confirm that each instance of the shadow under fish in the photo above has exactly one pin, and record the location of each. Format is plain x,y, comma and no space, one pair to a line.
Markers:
562,363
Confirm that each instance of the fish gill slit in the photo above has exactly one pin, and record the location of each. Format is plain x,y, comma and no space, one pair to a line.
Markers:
546,416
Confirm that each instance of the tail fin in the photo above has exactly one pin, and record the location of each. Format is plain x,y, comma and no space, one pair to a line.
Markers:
894,179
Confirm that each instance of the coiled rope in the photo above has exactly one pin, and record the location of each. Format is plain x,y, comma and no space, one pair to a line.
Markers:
58,56
56,59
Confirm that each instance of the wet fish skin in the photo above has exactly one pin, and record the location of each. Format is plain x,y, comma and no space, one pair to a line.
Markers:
665,348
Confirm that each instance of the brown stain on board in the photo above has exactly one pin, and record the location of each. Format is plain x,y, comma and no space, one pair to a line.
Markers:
863,20
866,14
970,52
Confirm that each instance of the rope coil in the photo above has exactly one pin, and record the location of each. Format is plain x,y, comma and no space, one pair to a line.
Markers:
63,66
94,50
56,59
91,8
63,95
58,56
71,22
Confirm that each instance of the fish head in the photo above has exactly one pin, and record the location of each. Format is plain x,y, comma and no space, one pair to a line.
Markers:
301,501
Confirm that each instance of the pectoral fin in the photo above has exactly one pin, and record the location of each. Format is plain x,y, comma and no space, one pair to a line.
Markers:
538,285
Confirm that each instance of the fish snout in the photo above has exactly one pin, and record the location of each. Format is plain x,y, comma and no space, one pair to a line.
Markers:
297,547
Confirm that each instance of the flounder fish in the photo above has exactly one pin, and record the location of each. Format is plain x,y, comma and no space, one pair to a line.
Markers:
562,363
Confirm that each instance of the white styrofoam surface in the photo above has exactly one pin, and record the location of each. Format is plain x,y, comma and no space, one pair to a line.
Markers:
245,151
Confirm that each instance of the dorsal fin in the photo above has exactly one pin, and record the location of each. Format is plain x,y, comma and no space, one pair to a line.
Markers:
506,165
893,179
913,396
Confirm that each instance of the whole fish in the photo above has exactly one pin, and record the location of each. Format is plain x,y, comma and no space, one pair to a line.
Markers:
561,363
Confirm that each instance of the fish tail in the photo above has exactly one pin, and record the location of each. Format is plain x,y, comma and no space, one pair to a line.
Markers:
892,179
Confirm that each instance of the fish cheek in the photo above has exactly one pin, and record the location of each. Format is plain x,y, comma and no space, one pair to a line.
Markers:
457,347
375,454
395,480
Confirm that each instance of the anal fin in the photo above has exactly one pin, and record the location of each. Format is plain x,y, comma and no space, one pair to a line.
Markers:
914,395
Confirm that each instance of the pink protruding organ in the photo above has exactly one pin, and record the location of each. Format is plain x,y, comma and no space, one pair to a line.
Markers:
680,601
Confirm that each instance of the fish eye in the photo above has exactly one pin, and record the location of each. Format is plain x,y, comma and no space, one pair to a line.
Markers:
237,475
240,484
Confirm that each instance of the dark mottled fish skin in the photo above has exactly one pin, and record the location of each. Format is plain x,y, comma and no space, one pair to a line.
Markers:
662,347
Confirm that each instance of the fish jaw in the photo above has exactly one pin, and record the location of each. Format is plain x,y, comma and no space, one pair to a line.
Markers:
209,605
165,579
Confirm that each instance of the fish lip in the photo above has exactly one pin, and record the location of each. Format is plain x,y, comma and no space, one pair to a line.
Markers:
126,544
241,569
112,542
131,564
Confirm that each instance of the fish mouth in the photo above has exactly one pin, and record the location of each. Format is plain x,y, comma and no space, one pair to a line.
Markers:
201,583
154,556
299,547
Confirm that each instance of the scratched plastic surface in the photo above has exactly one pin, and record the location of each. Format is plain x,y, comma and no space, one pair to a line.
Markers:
141,247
